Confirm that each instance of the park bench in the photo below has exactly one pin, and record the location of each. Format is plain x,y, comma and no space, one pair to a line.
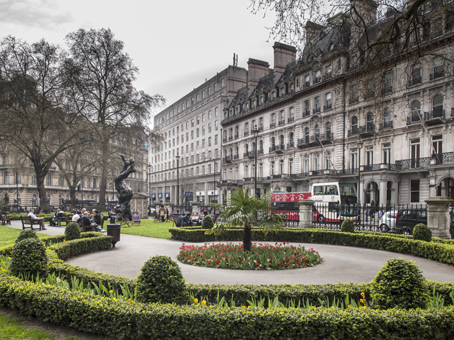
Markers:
5,219
27,222
62,219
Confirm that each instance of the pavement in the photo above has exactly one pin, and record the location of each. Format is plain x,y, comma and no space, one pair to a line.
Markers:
339,263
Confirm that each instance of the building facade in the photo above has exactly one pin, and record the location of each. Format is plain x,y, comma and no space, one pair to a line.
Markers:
185,165
329,116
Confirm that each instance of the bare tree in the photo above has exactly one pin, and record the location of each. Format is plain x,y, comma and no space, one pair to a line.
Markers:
102,77
404,25
34,119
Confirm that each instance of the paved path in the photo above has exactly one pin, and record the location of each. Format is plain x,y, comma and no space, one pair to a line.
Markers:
340,264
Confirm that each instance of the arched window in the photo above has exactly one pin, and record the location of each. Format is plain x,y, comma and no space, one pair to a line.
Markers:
415,75
290,140
437,106
415,110
355,130
281,140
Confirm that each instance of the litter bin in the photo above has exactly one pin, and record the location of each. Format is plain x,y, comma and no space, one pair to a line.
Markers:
114,231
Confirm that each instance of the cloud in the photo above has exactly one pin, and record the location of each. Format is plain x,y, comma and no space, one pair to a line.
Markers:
34,13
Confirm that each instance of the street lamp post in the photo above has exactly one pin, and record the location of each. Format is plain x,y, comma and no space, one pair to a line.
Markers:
256,134
178,180
359,146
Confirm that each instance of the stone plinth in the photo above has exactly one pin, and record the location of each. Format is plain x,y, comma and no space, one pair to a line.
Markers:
438,216
306,213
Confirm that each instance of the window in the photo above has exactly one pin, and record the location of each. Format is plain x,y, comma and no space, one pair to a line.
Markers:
318,77
307,80
327,160
281,117
354,130
317,104
306,135
354,159
387,82
328,130
386,153
329,70
370,90
415,111
370,121
291,115
307,108
306,164
437,106
369,155
415,75
290,166
437,149
273,120
414,190
415,150
317,131
438,69
354,94
317,162
328,101
387,122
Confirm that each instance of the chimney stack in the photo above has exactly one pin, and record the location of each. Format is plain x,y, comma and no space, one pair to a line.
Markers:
256,70
283,55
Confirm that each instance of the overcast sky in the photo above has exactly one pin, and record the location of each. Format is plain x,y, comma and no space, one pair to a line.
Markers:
175,44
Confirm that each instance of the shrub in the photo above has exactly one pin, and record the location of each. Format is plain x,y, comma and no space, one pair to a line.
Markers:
207,222
422,232
161,281
399,284
25,234
29,258
348,226
72,231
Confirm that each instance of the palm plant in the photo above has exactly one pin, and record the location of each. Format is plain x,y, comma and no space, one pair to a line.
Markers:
248,211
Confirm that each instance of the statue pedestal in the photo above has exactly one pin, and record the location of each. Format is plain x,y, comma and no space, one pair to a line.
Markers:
114,231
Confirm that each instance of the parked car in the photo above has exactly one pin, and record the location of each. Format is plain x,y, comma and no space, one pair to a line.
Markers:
387,221
406,219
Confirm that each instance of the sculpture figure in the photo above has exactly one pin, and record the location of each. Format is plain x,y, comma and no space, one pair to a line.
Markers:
123,209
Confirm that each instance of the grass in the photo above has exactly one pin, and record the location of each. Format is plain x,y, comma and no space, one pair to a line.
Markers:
15,328
149,228
8,235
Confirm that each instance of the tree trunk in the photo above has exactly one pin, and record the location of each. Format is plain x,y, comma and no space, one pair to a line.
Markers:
105,155
43,202
247,244
72,195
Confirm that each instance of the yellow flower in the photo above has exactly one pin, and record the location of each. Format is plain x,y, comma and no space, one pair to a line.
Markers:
129,300
114,298
363,295
196,301
3,270
9,258
203,302
111,291
361,300
243,307
64,240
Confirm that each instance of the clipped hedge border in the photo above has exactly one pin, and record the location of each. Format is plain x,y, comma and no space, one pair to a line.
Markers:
100,315
438,250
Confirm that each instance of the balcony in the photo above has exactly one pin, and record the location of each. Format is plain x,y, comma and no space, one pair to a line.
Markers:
414,163
354,131
435,117
367,130
260,151
272,125
309,141
306,113
316,110
327,107
246,133
414,81
277,148
281,122
249,154
228,159
290,145
235,157
290,119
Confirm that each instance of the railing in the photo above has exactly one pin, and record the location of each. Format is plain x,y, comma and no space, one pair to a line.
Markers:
272,125
386,125
306,113
415,81
281,122
353,131
290,119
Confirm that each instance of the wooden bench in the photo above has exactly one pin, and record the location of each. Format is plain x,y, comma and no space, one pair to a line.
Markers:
84,227
27,222
5,219
62,219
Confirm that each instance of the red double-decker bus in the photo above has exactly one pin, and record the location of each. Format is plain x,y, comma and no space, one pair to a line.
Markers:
287,204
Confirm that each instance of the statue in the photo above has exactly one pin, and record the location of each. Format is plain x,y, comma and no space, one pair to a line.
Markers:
125,193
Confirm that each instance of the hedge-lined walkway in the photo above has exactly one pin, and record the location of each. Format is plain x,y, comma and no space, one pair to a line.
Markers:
340,264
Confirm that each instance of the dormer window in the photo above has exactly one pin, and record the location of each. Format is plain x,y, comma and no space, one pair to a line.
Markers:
318,76
329,70
307,80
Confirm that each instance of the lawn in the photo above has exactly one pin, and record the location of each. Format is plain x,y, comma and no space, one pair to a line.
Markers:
8,235
149,228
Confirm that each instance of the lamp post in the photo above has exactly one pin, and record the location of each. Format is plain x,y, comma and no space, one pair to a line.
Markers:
178,180
256,134
359,146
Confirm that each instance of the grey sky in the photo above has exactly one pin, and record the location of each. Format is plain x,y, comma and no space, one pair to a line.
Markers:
176,44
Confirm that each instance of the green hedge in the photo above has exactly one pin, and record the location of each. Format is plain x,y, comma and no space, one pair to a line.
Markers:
439,250
99,315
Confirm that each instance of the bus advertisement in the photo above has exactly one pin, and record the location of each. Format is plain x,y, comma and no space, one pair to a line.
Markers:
333,202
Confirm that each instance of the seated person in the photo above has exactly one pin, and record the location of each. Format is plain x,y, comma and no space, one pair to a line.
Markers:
97,218
75,217
187,220
32,216
89,225
53,221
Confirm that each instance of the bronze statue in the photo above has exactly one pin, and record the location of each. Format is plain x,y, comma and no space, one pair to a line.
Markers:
123,209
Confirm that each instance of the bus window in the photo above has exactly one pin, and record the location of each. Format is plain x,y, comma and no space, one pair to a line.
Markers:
333,206
332,190
318,190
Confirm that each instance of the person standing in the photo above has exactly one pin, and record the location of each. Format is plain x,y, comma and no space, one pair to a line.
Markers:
162,213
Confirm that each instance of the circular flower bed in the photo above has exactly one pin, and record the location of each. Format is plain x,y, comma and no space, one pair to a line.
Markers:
261,256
